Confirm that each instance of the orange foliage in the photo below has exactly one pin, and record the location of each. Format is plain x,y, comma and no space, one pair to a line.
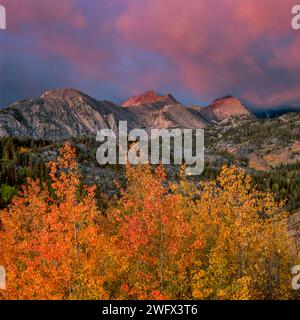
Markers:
49,240
154,233
222,240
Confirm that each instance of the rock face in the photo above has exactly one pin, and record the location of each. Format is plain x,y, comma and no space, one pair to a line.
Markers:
223,108
150,97
167,116
61,114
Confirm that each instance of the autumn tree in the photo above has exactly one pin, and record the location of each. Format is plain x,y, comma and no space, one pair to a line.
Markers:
153,232
220,239
49,238
247,253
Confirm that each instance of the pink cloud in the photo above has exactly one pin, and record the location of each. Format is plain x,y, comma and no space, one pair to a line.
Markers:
31,13
208,47
59,27
217,46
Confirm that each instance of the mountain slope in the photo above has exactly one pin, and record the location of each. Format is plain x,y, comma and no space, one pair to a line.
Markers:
167,116
61,114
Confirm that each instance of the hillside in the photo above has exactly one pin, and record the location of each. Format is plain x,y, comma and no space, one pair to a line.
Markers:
268,149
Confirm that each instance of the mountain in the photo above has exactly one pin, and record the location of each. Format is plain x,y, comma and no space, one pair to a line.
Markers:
61,114
150,97
223,108
269,149
154,110
275,112
65,113
162,114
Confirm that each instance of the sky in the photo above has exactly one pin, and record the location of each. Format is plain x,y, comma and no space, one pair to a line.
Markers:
197,50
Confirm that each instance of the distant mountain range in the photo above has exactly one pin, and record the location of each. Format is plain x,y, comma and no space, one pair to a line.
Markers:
65,113
275,112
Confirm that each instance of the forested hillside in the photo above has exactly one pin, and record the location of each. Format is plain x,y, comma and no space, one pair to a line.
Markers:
268,149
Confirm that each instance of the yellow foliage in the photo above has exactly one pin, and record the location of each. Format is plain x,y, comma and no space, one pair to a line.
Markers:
159,240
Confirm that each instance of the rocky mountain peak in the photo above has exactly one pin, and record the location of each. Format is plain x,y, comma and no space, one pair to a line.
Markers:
62,94
150,97
229,99
69,96
226,107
